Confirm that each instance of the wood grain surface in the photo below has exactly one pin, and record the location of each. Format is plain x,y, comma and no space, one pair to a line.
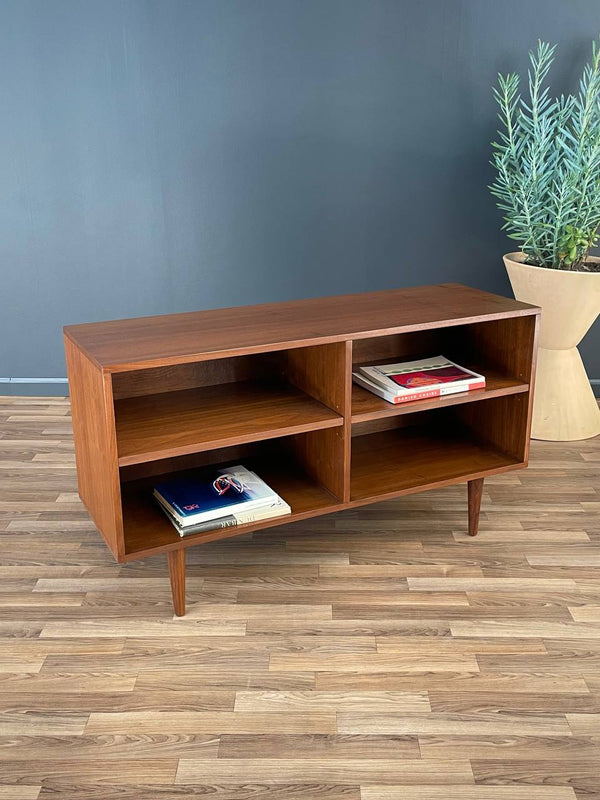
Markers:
192,420
376,654
125,344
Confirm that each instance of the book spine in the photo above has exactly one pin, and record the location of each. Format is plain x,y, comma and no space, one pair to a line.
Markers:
201,527
454,388
279,510
234,508
440,391
239,518
423,395
406,395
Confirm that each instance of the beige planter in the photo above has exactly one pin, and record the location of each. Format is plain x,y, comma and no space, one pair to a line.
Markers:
564,406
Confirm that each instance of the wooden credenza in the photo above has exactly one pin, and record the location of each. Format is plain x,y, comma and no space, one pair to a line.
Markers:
270,386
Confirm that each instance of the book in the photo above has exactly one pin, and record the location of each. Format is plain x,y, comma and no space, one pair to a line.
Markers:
418,380
211,495
239,518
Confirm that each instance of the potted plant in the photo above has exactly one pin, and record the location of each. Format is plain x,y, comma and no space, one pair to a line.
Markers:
547,184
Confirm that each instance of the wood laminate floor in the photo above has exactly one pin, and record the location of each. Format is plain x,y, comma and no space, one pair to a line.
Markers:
379,654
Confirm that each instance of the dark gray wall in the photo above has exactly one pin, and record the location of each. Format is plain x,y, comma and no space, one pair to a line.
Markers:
165,155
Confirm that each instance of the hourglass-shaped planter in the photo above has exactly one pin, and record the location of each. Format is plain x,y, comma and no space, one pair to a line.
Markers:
564,406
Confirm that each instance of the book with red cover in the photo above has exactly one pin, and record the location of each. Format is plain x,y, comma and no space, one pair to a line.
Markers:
417,380
430,377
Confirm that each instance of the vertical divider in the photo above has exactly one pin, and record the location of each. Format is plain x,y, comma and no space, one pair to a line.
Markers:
347,428
323,371
319,371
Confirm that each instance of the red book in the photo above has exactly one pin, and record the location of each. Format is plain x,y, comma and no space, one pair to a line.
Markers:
418,380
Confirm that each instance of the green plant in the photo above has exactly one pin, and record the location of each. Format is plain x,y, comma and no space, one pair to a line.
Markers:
548,163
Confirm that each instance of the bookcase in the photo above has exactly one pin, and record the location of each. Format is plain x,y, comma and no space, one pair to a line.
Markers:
270,386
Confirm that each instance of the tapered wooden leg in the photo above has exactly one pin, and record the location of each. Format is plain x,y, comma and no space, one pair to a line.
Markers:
475,490
176,561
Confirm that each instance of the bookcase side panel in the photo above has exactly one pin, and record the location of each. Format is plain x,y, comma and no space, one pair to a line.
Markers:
509,344
95,445
533,367
506,344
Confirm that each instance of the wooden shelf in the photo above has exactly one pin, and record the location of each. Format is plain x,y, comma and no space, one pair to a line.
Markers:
146,527
189,421
405,460
271,387
367,406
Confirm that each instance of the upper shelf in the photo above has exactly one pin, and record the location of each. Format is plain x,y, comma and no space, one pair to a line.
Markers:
128,344
189,421
367,406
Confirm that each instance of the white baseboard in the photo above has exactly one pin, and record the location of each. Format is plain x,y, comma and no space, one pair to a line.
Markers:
34,387
11,385
34,380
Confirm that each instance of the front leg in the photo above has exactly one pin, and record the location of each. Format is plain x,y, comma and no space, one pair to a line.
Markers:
475,491
176,561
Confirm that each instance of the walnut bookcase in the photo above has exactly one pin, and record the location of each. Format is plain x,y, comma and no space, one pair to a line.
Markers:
270,386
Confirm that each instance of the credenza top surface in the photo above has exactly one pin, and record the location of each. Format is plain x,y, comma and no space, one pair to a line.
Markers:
140,342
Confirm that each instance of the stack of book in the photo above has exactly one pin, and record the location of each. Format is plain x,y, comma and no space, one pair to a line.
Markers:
220,499
417,380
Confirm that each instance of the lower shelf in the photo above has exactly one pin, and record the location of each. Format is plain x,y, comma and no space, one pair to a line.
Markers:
396,461
385,464
146,528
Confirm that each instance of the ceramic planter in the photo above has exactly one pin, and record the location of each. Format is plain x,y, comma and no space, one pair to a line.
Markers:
564,406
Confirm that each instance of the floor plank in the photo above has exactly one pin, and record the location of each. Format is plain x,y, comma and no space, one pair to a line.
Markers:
402,771
469,793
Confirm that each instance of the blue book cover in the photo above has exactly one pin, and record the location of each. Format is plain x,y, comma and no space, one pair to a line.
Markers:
208,496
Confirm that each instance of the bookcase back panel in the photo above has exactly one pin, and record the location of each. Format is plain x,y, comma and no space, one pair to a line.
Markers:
396,347
140,382
401,421
222,455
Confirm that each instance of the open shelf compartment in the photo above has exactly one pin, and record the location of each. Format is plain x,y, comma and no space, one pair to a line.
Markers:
498,349
400,455
367,406
286,464
188,408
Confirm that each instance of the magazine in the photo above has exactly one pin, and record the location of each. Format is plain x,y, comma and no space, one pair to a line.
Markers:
211,495
418,380
239,518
